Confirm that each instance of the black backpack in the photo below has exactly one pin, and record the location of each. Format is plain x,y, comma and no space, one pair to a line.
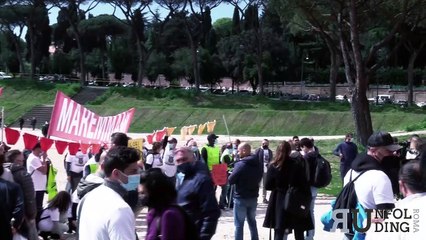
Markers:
322,175
347,199
191,230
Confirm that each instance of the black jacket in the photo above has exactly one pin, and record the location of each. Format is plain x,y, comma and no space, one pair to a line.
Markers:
246,176
260,152
293,172
196,196
11,206
25,182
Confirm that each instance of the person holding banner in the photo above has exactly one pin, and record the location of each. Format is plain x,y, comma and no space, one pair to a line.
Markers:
37,168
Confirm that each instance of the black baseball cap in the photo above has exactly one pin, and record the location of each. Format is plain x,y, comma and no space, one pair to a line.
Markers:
383,139
212,136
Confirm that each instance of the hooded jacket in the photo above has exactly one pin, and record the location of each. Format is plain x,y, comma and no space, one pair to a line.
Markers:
24,180
197,197
246,176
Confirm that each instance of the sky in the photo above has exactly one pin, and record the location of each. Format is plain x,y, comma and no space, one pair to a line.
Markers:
223,10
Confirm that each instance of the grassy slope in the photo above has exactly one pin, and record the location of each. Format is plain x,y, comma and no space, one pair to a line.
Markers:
246,115
21,96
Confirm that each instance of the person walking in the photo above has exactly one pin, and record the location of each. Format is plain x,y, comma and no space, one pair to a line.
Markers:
347,151
21,123
196,194
246,176
33,122
264,154
75,166
283,171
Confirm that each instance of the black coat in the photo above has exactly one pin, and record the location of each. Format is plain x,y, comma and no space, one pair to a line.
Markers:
277,180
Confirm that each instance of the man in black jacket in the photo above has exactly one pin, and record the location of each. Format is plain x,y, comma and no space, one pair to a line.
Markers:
246,176
11,204
264,154
196,193
14,161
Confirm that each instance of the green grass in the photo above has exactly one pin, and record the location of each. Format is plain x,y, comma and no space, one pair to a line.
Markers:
20,96
246,115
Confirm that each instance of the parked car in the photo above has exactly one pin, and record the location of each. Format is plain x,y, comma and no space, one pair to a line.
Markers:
421,104
401,103
4,75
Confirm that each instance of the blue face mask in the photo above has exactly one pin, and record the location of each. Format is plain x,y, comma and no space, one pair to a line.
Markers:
194,149
132,181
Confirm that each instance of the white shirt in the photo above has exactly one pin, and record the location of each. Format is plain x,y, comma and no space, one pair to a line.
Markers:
52,215
169,167
411,204
78,161
39,179
154,160
266,160
372,188
103,219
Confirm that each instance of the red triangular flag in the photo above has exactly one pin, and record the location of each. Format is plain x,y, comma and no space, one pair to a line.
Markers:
12,136
160,134
96,148
149,138
45,143
73,148
1,91
30,141
60,146
84,147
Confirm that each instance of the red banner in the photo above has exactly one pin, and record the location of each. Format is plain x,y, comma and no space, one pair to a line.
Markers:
72,121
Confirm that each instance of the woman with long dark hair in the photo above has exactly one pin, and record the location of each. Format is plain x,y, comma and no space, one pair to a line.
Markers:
53,219
164,218
286,171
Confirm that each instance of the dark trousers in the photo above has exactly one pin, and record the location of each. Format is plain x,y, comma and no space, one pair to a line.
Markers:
279,234
39,200
343,170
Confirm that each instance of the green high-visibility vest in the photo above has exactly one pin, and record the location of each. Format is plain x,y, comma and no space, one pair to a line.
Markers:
213,156
93,167
224,154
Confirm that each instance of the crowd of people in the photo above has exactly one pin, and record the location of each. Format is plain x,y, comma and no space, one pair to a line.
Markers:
106,190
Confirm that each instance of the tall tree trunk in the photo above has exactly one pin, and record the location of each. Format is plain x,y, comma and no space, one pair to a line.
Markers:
360,107
259,61
140,61
334,69
82,59
32,51
410,73
18,53
361,114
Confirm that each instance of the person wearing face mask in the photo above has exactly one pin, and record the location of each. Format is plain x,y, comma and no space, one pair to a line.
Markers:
264,154
196,194
210,152
104,213
373,188
169,166
37,168
160,197
14,162
412,185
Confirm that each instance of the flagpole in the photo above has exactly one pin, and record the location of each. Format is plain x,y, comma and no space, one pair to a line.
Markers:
227,130
2,121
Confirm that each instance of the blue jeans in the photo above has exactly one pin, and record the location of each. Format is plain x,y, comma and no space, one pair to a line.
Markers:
245,207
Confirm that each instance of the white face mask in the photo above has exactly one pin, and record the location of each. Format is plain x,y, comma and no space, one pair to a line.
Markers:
194,149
